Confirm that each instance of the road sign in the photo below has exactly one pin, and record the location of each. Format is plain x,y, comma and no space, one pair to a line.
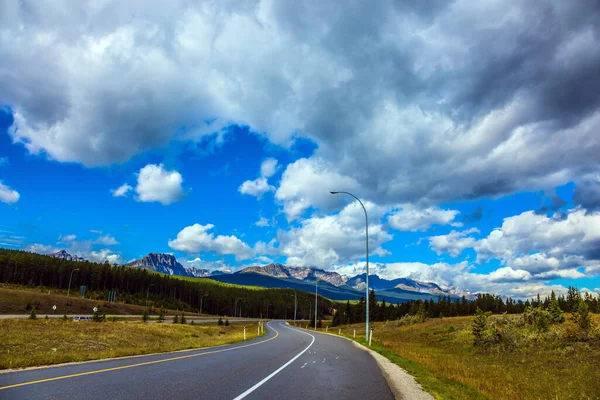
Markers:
95,309
54,307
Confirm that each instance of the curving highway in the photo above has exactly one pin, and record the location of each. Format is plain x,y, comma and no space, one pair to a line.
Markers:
287,363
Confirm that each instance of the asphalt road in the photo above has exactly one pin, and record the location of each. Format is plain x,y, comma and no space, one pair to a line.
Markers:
287,363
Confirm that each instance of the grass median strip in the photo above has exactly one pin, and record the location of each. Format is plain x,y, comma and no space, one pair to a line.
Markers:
29,343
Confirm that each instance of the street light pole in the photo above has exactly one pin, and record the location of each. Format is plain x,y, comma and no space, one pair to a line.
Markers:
367,245
70,278
148,293
316,281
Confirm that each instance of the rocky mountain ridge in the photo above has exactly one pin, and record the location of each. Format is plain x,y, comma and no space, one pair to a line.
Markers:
63,254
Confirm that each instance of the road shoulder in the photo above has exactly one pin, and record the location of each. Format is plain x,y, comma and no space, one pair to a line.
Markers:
402,384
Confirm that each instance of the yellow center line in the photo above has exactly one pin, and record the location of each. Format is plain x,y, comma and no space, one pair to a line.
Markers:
99,371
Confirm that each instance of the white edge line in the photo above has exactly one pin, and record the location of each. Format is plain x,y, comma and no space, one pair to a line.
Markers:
278,370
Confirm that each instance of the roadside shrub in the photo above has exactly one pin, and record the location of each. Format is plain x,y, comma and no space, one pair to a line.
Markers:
504,332
99,315
537,317
161,316
556,314
319,323
220,323
46,317
176,319
183,320
65,318
33,314
410,319
226,322
479,327
582,316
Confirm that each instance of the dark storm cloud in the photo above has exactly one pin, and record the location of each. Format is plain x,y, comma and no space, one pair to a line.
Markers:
587,193
420,102
473,217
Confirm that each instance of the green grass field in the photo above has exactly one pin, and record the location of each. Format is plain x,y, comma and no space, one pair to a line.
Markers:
27,343
14,300
441,355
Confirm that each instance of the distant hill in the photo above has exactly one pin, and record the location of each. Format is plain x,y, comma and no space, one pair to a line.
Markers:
250,278
331,284
377,283
340,293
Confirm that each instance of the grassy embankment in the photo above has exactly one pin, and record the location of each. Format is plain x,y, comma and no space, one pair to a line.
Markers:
27,343
440,354
14,300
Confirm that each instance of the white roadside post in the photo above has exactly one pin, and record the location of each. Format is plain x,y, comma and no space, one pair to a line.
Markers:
258,329
244,333
370,337
354,333
326,328
340,331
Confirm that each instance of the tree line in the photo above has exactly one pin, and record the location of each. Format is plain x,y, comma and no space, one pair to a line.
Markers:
164,291
446,306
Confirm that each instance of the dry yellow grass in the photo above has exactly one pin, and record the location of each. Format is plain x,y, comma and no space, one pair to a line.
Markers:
26,343
443,348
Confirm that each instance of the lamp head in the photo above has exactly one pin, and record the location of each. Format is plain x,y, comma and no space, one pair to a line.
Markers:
333,192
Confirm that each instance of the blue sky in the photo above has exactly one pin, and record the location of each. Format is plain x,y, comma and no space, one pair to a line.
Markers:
216,134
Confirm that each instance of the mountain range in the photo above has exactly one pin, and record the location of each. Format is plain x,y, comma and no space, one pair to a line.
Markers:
330,283
66,256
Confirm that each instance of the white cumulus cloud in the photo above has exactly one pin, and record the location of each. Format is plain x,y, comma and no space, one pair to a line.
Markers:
334,239
106,240
8,195
262,222
307,183
256,188
196,238
156,184
121,191
410,218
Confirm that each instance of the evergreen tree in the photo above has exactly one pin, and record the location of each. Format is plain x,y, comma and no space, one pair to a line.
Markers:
573,297
65,318
582,316
176,319
557,315
372,305
220,321
479,327
349,313
161,316
183,320
33,314
227,322
336,318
